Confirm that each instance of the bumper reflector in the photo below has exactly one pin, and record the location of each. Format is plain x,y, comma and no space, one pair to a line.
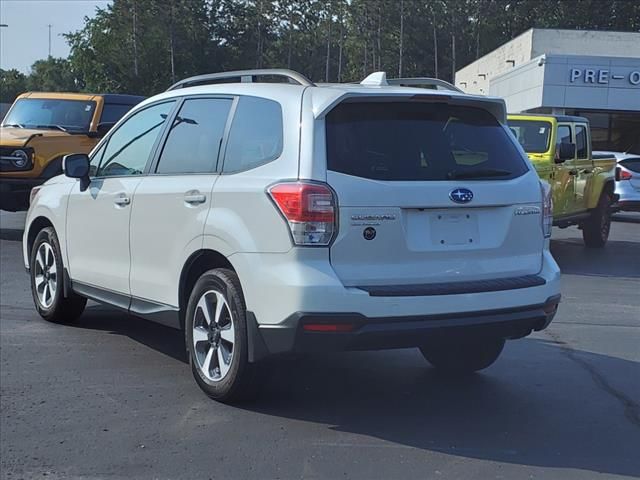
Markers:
328,327
550,308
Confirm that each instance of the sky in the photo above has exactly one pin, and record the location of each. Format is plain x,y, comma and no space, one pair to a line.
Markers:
26,39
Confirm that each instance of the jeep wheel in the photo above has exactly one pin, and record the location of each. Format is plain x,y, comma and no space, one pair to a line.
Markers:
595,230
47,281
459,356
216,337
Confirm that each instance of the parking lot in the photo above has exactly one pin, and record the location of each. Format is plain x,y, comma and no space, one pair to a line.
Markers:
113,396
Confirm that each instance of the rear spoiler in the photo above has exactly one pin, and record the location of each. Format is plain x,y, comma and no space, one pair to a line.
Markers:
323,103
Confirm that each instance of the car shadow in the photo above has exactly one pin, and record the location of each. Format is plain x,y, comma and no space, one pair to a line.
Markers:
537,406
617,259
540,405
166,340
525,410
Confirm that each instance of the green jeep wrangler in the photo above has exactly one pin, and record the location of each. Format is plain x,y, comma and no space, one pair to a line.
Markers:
582,184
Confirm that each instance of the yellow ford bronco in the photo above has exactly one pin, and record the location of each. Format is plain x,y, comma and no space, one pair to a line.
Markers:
582,184
40,128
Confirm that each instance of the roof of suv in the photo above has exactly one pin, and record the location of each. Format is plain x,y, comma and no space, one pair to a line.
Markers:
324,96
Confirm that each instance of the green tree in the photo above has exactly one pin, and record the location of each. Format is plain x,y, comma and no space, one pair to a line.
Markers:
52,75
142,46
12,84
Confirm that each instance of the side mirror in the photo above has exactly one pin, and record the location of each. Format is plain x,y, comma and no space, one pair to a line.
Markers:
102,130
76,165
566,151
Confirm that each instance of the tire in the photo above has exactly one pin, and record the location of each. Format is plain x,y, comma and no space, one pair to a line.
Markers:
219,354
47,281
464,355
595,230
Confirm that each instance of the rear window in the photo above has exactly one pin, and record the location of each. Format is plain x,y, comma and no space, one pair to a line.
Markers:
418,141
632,164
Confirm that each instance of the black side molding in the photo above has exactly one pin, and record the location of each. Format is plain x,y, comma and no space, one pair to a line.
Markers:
153,311
455,288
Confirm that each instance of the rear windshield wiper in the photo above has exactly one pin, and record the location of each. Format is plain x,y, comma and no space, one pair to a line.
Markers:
480,173
15,125
59,127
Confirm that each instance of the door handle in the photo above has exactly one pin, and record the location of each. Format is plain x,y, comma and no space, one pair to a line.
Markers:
586,170
194,197
122,200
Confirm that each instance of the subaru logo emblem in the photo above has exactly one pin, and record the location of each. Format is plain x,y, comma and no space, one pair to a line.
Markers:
461,195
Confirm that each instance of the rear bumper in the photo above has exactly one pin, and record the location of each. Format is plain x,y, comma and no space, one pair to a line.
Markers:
313,332
285,292
629,205
628,197
278,285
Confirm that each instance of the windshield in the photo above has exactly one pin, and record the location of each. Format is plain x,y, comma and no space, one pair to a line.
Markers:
66,115
418,141
534,136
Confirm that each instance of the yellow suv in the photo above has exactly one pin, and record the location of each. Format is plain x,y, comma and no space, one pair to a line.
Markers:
40,128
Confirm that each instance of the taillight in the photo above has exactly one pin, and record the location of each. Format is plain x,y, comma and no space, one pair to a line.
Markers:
547,209
310,210
623,174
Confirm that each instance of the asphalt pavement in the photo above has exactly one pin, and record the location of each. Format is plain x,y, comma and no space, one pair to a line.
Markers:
112,397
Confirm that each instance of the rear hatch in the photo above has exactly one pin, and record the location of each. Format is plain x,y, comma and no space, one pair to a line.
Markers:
430,193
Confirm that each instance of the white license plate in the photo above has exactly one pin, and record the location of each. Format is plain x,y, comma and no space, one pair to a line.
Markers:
457,228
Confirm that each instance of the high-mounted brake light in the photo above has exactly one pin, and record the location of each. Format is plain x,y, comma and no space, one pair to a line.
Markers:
547,209
310,211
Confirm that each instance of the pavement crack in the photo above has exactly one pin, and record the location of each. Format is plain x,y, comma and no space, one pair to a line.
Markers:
631,408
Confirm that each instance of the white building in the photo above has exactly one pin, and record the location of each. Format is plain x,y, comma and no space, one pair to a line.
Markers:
595,74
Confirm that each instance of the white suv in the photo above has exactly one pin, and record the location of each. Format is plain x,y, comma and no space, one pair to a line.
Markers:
262,218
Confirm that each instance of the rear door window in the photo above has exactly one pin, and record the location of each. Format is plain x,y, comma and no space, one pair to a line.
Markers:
195,137
112,112
418,141
581,142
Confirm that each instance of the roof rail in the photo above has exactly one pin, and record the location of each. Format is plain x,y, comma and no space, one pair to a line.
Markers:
423,81
244,76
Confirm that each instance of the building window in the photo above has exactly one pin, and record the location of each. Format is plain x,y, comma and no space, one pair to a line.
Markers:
613,131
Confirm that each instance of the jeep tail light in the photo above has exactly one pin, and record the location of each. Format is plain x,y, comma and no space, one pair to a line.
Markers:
547,209
310,210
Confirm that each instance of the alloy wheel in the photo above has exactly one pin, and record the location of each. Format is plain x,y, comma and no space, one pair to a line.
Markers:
213,335
45,275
